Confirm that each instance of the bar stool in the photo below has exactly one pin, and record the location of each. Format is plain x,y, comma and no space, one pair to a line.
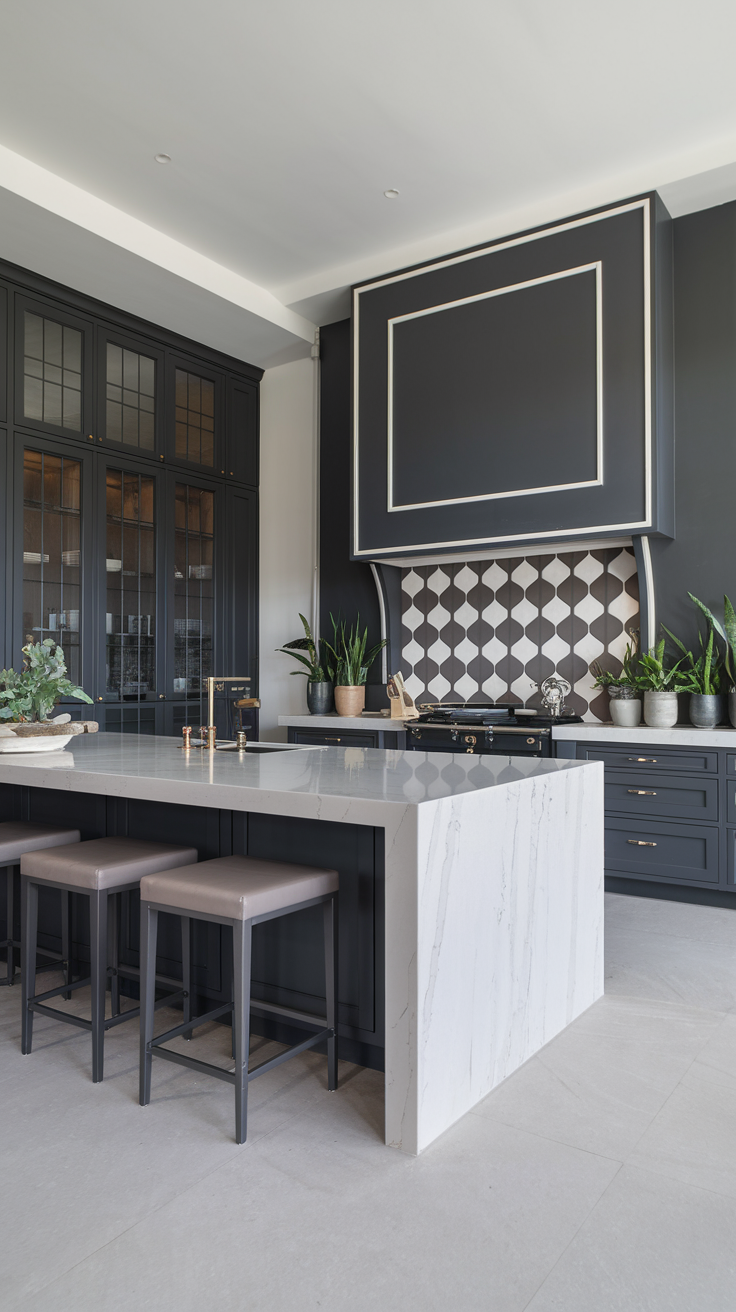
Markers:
16,838
100,869
241,892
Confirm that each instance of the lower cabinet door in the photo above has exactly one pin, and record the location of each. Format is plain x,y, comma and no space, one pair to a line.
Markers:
669,852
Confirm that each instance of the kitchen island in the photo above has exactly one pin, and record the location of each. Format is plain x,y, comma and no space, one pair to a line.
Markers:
488,889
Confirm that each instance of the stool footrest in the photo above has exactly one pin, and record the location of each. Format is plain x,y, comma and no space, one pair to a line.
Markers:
290,1052
204,1067
70,1019
190,1024
62,988
288,1013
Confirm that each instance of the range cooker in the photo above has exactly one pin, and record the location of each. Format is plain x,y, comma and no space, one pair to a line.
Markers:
484,728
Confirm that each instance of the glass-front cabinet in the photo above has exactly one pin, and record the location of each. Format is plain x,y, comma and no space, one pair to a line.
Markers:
52,515
131,503
130,593
194,600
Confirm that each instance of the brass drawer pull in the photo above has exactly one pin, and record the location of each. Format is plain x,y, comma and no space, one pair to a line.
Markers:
333,740
641,792
651,760
640,842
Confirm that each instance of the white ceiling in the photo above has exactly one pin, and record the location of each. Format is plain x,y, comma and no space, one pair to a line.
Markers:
286,120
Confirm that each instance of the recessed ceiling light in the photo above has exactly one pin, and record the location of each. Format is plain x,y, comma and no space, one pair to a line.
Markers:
162,159
391,194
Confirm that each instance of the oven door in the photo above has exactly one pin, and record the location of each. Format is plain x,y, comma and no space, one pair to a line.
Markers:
521,742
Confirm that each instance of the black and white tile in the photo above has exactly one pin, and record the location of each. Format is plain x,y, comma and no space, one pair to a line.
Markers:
493,630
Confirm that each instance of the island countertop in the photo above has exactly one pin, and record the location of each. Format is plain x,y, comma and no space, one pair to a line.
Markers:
303,781
492,886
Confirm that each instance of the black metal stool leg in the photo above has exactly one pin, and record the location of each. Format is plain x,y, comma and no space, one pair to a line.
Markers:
113,924
186,969
28,935
66,939
149,931
242,933
10,911
98,978
330,918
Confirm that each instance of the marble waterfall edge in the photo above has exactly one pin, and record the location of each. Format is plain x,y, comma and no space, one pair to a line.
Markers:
508,943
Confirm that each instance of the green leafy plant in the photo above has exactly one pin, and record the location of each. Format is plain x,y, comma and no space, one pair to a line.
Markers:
704,674
655,674
726,631
319,662
32,693
354,657
629,665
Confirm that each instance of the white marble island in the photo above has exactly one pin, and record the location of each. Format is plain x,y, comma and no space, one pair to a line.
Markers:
493,889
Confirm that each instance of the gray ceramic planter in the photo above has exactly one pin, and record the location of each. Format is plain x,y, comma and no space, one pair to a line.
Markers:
319,698
706,710
732,706
660,709
625,711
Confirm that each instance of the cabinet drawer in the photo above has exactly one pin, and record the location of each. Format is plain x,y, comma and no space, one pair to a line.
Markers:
652,758
325,738
658,850
679,797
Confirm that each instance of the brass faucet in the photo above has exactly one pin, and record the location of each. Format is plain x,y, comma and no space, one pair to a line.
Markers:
208,732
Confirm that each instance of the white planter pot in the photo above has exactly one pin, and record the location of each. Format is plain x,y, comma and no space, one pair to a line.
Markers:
660,709
626,714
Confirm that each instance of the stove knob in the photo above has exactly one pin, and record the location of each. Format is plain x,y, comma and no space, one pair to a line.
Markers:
531,741
470,738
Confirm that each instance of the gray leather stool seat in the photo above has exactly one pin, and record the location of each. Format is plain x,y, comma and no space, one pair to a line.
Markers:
239,891
16,838
101,869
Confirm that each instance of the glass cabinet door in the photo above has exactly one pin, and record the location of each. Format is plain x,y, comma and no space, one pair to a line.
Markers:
193,589
52,508
130,563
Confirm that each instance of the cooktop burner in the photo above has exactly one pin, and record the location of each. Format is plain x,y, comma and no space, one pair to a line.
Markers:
488,713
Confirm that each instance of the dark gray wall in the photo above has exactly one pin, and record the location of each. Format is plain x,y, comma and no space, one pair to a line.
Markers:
702,557
346,587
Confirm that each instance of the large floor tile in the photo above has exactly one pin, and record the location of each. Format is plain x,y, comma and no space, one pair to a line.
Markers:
600,1083
474,1223
700,973
650,1245
655,915
693,1138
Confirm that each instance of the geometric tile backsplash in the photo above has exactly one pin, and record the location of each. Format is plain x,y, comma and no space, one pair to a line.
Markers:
493,630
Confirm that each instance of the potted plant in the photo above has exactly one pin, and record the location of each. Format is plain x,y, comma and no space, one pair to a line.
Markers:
726,631
318,659
29,695
353,662
702,677
624,704
660,683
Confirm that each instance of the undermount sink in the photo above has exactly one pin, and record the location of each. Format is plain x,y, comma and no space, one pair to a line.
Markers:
265,747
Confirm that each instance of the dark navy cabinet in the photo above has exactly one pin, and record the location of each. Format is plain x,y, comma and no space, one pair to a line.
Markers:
321,737
670,819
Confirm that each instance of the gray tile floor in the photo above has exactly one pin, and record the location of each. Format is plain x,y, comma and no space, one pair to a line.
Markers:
599,1178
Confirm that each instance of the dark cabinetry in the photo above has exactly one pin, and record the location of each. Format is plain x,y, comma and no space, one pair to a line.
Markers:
670,817
320,737
288,964
129,502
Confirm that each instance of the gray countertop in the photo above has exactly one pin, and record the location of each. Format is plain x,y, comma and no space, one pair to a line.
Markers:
682,735
303,781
